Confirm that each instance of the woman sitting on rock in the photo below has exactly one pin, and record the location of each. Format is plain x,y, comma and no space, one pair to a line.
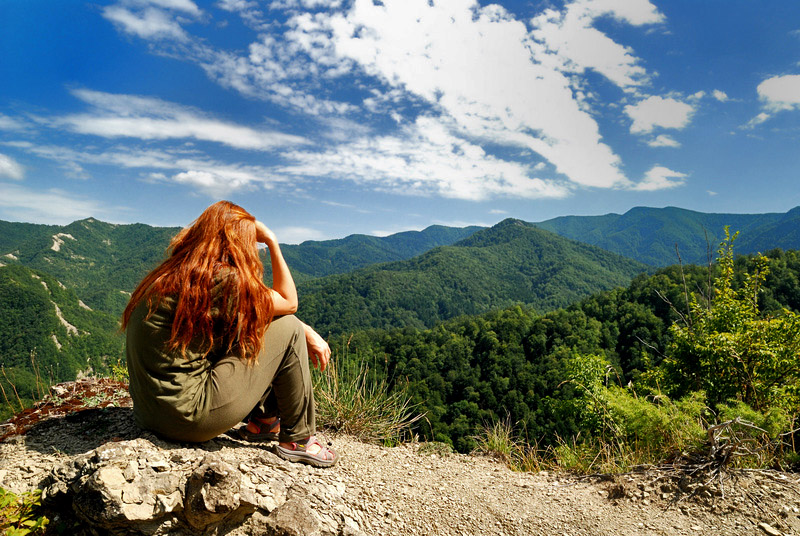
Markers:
209,343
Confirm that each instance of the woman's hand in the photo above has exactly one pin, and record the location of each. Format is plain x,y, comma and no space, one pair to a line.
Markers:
264,234
318,350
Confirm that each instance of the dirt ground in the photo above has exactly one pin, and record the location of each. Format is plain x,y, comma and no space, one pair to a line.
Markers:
416,489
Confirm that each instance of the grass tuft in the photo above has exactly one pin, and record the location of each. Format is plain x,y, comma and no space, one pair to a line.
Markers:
352,399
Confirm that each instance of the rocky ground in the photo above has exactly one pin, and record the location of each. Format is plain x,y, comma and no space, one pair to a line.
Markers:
102,475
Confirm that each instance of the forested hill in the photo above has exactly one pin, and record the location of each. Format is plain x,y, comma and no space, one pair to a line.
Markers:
649,235
512,262
327,257
46,329
103,262
100,261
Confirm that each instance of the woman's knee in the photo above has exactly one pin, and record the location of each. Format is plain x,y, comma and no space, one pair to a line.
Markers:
286,332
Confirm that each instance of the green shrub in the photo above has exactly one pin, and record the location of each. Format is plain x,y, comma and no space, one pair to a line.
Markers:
20,515
656,426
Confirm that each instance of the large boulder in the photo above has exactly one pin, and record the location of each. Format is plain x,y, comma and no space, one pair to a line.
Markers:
138,487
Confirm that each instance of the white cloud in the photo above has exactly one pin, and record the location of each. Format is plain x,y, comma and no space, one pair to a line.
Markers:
46,206
498,211
307,4
777,94
10,168
296,235
757,120
427,160
662,140
247,9
187,6
780,92
447,54
148,118
237,5
579,46
721,96
660,178
211,177
658,112
9,123
149,23
215,183
712,193
490,78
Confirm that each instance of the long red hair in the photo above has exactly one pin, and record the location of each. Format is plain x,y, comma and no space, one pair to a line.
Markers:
221,242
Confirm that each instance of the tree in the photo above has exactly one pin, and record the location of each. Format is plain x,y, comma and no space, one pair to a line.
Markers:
726,347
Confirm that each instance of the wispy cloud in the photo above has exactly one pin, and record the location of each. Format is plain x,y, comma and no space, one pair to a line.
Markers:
147,118
51,206
148,23
296,235
10,123
721,96
153,19
210,176
442,58
570,34
10,168
660,178
426,159
658,112
662,140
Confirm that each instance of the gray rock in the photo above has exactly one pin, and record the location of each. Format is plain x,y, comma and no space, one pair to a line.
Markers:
293,518
213,493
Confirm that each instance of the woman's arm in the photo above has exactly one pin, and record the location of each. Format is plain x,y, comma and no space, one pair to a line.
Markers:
284,293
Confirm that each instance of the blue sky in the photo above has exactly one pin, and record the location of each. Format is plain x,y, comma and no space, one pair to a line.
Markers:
331,117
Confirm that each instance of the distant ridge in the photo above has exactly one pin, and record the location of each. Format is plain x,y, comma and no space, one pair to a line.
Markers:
103,262
650,235
512,262
326,257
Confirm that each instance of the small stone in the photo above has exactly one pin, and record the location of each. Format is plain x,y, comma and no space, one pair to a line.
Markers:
168,503
111,477
159,466
769,529
130,471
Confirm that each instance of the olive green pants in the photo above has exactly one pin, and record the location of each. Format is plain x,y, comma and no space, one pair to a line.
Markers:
278,383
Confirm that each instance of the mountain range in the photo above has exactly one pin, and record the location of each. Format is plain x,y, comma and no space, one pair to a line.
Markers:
62,288
512,262
657,236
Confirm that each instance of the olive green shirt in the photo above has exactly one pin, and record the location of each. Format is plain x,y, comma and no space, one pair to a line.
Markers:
171,392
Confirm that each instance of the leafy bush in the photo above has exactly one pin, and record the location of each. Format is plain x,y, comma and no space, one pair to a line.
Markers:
20,514
657,427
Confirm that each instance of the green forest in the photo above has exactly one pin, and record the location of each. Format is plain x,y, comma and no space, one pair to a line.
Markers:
702,338
48,335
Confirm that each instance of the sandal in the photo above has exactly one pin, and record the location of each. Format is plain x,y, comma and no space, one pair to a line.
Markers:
326,456
260,431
